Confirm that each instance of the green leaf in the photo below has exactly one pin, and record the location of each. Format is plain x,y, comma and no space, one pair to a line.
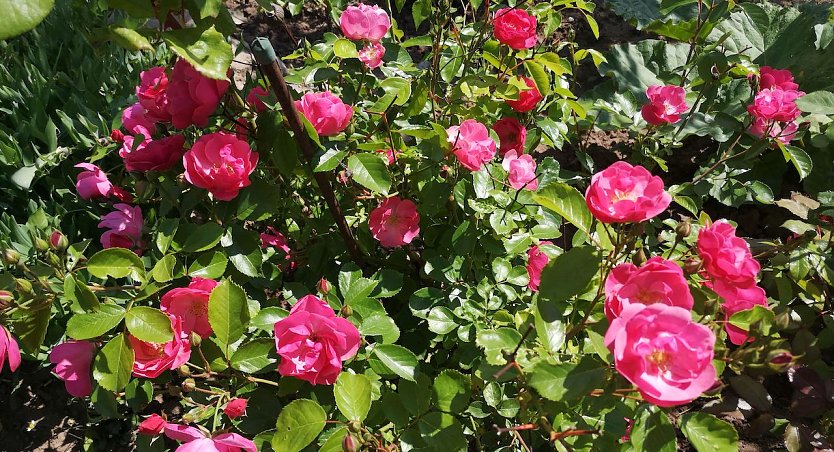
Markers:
800,159
30,324
254,356
206,50
758,316
442,320
228,312
653,431
569,274
20,16
496,342
819,102
550,328
380,325
208,8
299,423
708,433
95,324
244,250
334,441
566,381
399,87
209,265
165,233
129,39
398,360
267,317
329,160
353,395
567,202
200,238
83,299
163,271
442,431
113,364
370,171
149,324
452,391
539,76
116,263
344,48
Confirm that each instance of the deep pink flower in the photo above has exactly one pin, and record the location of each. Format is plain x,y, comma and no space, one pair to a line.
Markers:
776,78
389,155
72,361
152,155
256,97
152,93
152,425
325,111
273,238
784,132
192,97
536,261
93,183
666,104
55,239
372,55
125,228
235,408
521,171
527,99
364,22
471,144
190,304
663,352
313,342
657,281
623,193
726,256
395,222
194,440
515,28
136,120
511,135
220,163
9,351
153,359
775,104
736,299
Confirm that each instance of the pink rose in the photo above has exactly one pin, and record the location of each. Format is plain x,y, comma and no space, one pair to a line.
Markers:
136,121
325,111
192,97
726,256
775,104
623,193
273,238
125,228
527,99
776,78
58,240
256,97
395,222
235,408
390,155
784,132
364,22
657,281
152,93
152,425
666,104
372,55
737,299
515,28
9,351
471,144
190,305
536,261
511,135
313,342
153,359
152,155
93,183
521,171
220,163
194,440
72,361
663,352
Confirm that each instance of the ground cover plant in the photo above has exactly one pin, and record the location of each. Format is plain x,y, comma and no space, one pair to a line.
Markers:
412,231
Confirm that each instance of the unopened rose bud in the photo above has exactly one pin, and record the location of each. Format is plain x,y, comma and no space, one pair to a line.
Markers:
323,286
41,245
11,257
58,241
188,385
6,299
354,426
684,228
23,286
692,266
235,408
196,339
639,257
368,438
348,444
184,370
117,136
779,359
188,418
347,311
53,259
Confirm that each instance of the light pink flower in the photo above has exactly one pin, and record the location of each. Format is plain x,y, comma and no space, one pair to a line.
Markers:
9,351
313,342
151,360
136,120
776,78
256,97
515,28
152,155
125,228
784,132
192,97
194,440
372,55
152,93
521,171
726,256
623,193
364,22
527,99
511,135
72,361
325,111
395,222
235,408
536,261
775,104
152,425
182,433
471,144
663,352
273,238
220,163
190,305
666,104
93,183
736,299
657,281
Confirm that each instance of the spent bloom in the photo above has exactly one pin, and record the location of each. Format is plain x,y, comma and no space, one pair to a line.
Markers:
666,104
515,27
152,155
151,360
220,163
656,281
536,261
9,350
395,222
521,171
364,22
192,97
623,193
92,183
726,256
190,304
511,135
273,238
72,361
124,228
527,99
325,111
152,93
372,55
471,144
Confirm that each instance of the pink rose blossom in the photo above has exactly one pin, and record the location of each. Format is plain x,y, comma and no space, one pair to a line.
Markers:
471,144
663,352
521,171
136,121
527,99
726,256
313,342
182,433
72,361
190,305
395,222
657,281
152,425
666,104
737,299
194,440
220,163
9,351
536,261
151,360
192,97
125,228
273,238
93,183
364,22
775,104
389,155
256,97
623,193
511,135
515,28
152,93
152,155
372,55
325,111
776,78
784,132
235,408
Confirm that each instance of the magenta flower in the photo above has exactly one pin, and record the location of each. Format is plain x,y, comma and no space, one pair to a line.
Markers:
72,361
623,193
471,144
190,305
395,222
364,22
536,261
515,27
657,281
666,104
220,163
125,228
325,111
192,97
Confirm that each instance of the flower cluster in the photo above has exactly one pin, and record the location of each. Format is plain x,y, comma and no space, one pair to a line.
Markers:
774,108
368,23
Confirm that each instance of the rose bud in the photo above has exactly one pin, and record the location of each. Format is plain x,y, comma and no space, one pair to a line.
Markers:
58,241
152,425
348,444
189,385
235,408
684,228
692,266
323,286
41,245
11,257
779,359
